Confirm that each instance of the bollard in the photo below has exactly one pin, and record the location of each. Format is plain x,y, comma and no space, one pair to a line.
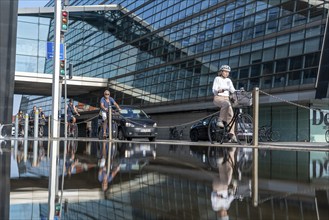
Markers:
255,147
36,135
26,133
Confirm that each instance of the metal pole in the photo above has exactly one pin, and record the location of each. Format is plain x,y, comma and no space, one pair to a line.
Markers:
36,135
26,133
16,136
49,135
110,141
65,142
55,108
255,148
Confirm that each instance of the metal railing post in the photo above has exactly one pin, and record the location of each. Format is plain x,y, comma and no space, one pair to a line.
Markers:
109,142
36,135
16,136
255,147
26,133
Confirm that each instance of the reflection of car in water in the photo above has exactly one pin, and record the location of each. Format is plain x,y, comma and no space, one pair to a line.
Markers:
134,157
135,123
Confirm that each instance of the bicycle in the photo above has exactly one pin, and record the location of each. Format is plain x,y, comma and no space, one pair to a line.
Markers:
42,123
115,117
175,134
266,133
242,156
241,121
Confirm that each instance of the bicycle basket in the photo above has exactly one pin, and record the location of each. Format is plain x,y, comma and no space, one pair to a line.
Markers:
241,99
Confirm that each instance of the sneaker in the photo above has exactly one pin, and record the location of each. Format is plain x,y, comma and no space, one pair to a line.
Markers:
233,139
220,124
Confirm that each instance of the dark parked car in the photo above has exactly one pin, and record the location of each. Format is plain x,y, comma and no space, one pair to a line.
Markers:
199,130
135,123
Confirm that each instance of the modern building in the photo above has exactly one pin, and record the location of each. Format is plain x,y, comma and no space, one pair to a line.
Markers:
164,55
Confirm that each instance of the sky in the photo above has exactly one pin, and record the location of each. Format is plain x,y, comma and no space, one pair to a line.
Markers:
32,3
26,4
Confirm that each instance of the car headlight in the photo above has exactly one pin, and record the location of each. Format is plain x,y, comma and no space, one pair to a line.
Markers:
154,125
128,124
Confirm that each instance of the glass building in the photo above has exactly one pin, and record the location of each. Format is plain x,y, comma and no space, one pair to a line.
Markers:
164,55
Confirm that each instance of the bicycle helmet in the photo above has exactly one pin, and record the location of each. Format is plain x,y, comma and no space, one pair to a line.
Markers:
225,67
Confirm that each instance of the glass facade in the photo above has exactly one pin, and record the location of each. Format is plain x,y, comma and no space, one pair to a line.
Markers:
167,52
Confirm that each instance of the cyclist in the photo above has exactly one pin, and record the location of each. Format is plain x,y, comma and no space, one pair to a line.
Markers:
42,121
71,111
42,115
20,122
105,103
32,113
222,87
104,178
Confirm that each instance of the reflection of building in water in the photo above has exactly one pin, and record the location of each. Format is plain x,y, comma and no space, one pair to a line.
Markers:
185,194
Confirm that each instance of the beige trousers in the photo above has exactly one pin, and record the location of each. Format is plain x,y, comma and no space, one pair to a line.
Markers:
226,111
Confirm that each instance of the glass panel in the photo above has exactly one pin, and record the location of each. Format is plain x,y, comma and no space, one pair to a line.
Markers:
281,51
280,80
312,60
310,76
294,78
268,54
312,45
296,63
268,68
296,48
281,65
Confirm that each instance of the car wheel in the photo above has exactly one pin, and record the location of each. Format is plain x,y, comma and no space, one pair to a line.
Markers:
194,136
129,138
121,135
151,138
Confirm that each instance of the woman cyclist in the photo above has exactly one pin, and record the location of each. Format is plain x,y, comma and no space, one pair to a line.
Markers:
222,87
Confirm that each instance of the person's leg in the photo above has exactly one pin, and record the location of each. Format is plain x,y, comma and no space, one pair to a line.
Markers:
220,102
104,117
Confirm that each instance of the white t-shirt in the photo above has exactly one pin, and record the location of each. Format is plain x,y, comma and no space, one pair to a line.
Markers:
221,202
222,83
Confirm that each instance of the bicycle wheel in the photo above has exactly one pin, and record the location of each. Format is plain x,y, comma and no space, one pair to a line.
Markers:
327,136
244,129
213,130
274,135
213,154
244,160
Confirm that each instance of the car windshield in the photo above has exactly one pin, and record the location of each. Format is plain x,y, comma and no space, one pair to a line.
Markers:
133,113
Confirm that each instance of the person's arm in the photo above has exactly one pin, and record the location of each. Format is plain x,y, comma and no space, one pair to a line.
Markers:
75,110
102,105
113,102
114,173
231,89
215,86
117,106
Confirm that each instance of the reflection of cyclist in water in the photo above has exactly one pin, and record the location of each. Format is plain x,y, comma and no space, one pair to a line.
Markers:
223,193
224,189
105,178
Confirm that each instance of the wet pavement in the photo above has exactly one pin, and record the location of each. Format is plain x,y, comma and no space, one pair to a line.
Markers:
163,181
